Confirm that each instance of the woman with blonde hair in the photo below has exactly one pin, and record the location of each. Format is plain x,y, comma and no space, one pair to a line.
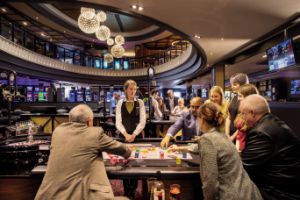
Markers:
216,95
221,169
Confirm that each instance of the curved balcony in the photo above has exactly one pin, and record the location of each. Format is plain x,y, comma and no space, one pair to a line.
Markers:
29,62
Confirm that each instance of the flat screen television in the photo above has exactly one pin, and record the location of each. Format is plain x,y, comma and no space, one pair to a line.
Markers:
281,55
295,88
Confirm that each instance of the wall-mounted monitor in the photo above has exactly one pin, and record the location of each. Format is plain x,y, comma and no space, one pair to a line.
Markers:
295,88
281,55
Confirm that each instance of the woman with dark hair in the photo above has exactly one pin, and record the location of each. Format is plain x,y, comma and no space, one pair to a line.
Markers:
221,169
236,81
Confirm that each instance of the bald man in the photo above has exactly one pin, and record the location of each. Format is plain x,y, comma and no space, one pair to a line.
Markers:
272,153
187,122
75,167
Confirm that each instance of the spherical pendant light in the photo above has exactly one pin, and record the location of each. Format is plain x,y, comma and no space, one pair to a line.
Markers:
88,13
101,16
103,33
119,39
108,58
110,42
88,25
117,51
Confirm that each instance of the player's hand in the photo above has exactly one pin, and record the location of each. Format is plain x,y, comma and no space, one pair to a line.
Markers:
165,141
174,147
131,138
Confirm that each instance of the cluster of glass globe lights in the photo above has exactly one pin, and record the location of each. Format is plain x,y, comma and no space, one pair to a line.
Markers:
90,22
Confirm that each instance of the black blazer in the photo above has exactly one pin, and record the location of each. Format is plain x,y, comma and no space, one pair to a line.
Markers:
272,158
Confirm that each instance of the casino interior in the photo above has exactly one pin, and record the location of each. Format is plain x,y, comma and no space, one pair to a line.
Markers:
56,54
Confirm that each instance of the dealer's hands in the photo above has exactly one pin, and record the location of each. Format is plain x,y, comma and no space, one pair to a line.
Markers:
165,141
129,138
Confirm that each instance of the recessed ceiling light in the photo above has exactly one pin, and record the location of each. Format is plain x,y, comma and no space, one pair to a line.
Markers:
140,8
37,18
25,23
65,31
43,34
197,36
134,6
222,39
3,10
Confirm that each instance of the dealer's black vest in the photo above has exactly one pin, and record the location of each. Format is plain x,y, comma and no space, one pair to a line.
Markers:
130,120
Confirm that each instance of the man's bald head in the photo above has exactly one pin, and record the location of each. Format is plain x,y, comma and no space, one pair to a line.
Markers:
255,103
253,108
81,114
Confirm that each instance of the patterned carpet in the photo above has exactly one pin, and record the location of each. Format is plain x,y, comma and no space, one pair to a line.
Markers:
118,189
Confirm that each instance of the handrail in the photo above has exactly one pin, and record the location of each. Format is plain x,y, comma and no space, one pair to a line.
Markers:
19,51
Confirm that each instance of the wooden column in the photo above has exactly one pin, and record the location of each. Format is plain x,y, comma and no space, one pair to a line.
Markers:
218,75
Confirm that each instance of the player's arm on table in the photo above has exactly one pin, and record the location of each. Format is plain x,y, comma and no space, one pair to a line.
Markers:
109,145
172,131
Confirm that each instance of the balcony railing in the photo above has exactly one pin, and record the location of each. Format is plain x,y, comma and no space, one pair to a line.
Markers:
19,35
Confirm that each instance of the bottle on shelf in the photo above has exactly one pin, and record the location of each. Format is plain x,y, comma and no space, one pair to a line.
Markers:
159,191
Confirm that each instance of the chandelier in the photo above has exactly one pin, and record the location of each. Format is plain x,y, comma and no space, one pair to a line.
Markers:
91,22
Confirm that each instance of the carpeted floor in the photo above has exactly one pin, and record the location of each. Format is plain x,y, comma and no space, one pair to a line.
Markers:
118,189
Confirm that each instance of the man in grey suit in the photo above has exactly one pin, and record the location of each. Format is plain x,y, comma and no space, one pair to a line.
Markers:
75,168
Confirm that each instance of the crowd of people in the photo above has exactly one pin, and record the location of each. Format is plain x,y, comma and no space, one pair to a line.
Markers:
245,151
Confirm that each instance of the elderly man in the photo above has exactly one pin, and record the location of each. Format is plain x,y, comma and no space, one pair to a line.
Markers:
75,168
171,101
271,155
187,122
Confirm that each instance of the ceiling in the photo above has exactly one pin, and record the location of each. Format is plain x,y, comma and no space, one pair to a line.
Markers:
223,25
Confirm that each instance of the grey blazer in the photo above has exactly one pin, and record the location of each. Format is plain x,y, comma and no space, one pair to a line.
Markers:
221,170
75,168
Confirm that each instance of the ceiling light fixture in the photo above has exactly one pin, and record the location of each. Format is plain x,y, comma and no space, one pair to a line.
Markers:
3,10
140,8
134,6
91,22
222,39
25,23
197,36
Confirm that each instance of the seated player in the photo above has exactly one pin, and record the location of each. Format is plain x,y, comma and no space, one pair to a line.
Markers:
187,122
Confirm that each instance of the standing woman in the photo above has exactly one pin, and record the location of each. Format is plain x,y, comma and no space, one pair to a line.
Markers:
216,95
130,121
236,81
130,113
221,169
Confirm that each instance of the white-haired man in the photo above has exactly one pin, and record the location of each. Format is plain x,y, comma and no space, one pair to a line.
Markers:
271,156
75,168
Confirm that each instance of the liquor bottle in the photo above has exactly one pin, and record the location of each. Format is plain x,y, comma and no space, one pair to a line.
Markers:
159,191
